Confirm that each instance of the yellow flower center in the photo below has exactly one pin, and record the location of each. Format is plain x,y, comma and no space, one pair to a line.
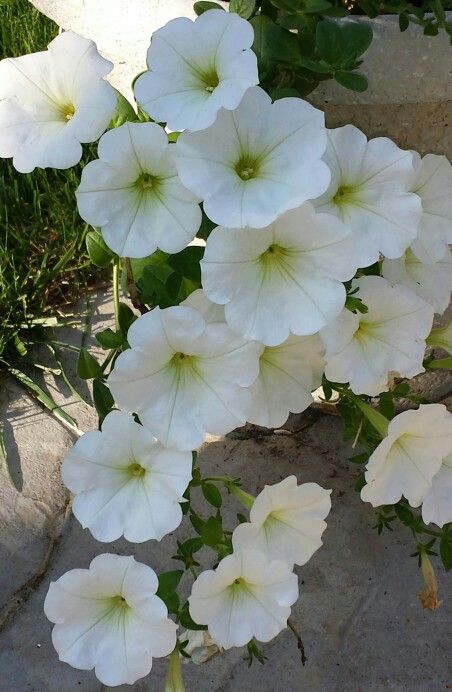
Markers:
147,182
67,111
247,167
210,80
136,470
344,195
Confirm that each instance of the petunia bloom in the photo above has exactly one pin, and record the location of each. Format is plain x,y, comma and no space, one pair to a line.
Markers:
432,182
363,349
431,281
369,192
286,521
286,278
133,193
437,501
288,373
246,596
184,377
108,618
125,482
256,162
407,459
52,101
196,68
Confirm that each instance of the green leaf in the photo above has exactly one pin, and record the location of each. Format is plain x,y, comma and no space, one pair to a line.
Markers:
103,399
186,262
359,483
445,550
359,458
125,318
124,112
273,44
98,252
314,6
204,6
401,389
212,494
337,12
87,366
197,523
42,397
191,546
352,80
168,582
206,227
244,8
431,30
152,285
109,339
173,136
212,532
440,364
287,5
386,405
357,38
404,514
404,21
158,259
315,66
277,94
329,42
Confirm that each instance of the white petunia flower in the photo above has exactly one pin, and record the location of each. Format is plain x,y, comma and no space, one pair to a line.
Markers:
286,521
125,482
369,192
196,68
184,377
437,502
407,459
432,281
281,279
52,101
132,192
363,349
287,375
433,183
108,618
256,162
212,312
246,596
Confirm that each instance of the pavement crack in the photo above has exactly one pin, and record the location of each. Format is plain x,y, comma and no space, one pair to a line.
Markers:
21,596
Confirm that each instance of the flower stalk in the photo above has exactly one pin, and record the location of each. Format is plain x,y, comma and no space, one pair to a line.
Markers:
379,421
173,680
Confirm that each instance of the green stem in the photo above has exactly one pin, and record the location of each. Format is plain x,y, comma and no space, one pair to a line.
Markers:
173,679
116,291
439,364
242,496
430,532
379,421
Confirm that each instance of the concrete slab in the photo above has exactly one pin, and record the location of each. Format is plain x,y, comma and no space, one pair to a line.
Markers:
358,613
35,443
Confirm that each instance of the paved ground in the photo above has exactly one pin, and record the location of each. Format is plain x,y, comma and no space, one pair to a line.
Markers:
359,614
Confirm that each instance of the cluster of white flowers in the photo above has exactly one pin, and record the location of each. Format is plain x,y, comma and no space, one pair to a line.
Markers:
301,211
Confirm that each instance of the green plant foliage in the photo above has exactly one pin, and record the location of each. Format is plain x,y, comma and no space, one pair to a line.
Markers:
205,5
244,8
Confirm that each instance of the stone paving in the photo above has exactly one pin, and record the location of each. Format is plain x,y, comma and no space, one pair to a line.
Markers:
358,612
